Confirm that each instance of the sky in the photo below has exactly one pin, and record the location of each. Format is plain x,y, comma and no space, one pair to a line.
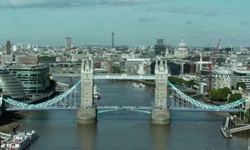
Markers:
134,22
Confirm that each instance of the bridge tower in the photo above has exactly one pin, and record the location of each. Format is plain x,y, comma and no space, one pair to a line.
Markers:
160,112
87,113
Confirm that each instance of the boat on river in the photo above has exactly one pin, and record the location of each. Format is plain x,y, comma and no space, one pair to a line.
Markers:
96,92
138,85
19,141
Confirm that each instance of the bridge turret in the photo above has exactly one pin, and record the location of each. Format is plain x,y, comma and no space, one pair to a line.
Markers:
87,66
160,112
156,66
86,114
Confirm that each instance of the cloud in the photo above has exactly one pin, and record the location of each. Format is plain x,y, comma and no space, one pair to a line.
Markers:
189,10
16,18
145,19
243,22
65,3
189,22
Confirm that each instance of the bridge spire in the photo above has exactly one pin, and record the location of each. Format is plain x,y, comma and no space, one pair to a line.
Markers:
86,114
160,112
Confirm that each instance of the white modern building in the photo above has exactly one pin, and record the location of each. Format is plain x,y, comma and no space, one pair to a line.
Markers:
241,76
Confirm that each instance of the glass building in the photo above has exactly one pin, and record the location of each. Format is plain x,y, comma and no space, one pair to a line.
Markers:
11,86
35,78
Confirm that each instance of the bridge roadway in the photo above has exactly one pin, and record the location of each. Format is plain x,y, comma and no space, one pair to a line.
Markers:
101,109
109,76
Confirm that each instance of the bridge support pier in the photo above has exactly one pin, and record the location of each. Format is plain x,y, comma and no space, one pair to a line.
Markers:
86,116
160,116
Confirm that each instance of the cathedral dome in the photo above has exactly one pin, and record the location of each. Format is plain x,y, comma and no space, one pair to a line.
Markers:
182,44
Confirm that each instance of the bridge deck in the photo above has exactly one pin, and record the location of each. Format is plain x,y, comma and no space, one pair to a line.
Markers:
132,108
109,76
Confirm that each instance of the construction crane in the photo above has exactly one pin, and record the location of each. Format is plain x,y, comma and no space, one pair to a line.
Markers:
209,43
217,47
211,62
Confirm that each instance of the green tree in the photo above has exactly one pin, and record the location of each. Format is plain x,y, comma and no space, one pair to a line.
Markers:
213,94
234,97
180,81
190,83
226,91
242,85
220,94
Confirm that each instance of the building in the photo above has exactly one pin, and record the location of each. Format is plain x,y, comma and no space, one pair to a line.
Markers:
160,48
113,40
160,42
8,48
11,86
220,81
182,50
25,46
27,60
78,57
241,76
68,43
6,59
131,65
35,78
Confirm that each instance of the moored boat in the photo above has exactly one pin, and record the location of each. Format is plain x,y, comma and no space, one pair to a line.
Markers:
96,92
138,85
32,135
19,141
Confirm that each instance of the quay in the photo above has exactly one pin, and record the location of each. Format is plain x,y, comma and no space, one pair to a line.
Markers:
232,125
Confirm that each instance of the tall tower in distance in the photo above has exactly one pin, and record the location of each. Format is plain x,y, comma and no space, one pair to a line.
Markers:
68,43
113,40
8,48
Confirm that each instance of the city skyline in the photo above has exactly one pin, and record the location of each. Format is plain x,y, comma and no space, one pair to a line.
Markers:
134,22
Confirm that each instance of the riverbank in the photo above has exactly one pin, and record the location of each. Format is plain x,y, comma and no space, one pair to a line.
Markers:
10,121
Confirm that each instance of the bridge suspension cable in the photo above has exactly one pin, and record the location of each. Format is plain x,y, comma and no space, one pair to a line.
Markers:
72,101
43,104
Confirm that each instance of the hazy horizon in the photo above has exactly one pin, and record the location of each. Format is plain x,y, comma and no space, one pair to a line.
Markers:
134,22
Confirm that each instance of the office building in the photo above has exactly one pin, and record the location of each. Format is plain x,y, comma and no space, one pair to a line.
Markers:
160,42
113,40
68,43
160,48
35,78
8,48
241,76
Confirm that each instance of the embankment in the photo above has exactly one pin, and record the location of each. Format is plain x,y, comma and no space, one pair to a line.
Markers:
10,121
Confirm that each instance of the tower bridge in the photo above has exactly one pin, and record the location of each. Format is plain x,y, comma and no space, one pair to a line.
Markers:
160,113
160,110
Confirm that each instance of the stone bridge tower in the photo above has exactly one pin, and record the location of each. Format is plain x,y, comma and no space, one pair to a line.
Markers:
160,111
87,113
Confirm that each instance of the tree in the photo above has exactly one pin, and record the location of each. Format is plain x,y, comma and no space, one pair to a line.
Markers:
180,81
226,91
213,94
220,94
190,83
242,85
234,97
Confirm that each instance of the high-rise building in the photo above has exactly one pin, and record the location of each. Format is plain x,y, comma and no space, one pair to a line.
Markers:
160,42
68,43
160,48
113,40
8,48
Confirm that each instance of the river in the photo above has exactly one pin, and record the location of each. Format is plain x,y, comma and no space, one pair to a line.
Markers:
125,130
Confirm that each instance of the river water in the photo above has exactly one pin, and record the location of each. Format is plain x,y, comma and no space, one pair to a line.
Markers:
125,130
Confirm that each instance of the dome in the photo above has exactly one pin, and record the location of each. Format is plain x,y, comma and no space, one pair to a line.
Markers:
182,44
11,86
